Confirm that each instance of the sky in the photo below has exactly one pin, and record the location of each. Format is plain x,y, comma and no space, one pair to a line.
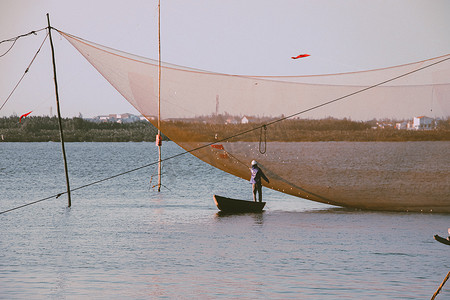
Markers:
249,37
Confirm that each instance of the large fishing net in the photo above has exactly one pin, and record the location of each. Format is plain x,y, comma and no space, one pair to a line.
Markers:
327,138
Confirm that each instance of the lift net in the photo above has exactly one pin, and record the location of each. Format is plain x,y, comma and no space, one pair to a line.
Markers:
314,136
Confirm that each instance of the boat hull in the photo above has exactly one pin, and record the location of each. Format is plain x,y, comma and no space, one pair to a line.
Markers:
442,240
234,205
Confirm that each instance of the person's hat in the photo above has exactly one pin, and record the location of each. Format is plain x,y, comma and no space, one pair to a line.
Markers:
254,162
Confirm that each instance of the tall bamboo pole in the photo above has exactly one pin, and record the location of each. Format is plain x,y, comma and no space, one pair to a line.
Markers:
441,286
158,138
59,112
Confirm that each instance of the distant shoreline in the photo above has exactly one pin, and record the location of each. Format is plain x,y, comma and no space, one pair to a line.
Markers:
45,129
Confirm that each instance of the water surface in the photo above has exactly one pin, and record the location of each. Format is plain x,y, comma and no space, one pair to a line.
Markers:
123,239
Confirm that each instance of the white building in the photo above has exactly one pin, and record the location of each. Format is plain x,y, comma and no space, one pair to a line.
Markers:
423,123
118,118
126,118
246,120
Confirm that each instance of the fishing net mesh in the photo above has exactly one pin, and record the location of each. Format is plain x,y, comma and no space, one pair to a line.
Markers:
310,134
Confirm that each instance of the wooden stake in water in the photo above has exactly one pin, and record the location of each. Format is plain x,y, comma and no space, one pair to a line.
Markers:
441,286
158,137
59,112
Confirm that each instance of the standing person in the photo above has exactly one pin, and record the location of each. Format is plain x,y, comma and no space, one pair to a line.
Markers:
255,180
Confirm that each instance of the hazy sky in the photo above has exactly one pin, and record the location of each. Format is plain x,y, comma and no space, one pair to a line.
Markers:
250,37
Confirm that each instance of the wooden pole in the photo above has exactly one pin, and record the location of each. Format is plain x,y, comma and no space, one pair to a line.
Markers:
59,112
441,286
158,139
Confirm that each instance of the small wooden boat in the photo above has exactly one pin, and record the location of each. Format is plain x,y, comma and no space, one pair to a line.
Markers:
234,205
442,240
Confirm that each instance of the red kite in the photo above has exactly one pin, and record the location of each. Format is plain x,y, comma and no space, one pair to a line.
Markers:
22,116
300,56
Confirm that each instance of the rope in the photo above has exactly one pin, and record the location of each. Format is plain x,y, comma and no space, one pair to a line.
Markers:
26,71
265,139
9,49
14,39
357,92
233,136
34,202
23,35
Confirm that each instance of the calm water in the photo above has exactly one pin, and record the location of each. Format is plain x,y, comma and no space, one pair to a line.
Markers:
123,240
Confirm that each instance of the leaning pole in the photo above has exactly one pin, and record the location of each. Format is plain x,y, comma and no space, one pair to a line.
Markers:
158,137
59,112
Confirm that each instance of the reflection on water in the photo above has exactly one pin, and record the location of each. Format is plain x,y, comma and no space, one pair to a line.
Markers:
258,217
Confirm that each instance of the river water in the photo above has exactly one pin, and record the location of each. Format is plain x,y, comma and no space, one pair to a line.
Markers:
121,239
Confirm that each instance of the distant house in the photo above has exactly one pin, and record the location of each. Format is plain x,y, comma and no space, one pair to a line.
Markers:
105,119
423,123
246,120
126,118
118,118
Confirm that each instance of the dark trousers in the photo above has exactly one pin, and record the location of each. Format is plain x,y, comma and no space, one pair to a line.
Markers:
257,188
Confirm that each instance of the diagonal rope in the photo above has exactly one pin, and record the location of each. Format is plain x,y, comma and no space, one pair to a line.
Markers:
356,92
9,48
14,39
31,203
22,35
26,71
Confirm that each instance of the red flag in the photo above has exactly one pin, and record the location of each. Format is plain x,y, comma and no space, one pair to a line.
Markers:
22,116
218,146
300,56
224,153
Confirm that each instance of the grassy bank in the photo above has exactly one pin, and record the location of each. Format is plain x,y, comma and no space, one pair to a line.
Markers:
306,131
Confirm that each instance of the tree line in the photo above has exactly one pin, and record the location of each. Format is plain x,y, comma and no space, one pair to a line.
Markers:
44,129
305,130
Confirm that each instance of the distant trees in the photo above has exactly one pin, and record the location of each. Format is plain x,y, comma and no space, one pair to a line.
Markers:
44,129
443,124
308,130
